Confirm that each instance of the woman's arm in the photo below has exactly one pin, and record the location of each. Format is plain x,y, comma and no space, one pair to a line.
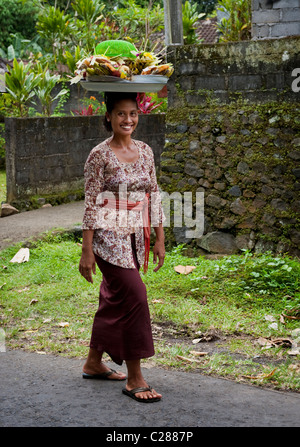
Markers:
159,247
87,264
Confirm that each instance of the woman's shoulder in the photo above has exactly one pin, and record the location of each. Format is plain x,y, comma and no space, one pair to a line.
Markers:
144,147
100,151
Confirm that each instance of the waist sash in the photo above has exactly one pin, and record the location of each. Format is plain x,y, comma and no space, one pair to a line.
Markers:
143,205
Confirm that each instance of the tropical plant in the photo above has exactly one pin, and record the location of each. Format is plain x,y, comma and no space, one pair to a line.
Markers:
189,18
17,17
55,27
137,21
72,59
21,48
237,25
146,104
88,14
44,88
20,84
87,111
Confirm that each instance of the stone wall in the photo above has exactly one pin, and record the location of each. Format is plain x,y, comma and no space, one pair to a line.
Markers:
275,18
45,156
233,133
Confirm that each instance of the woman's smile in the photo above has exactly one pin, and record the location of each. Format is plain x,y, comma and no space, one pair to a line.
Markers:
124,117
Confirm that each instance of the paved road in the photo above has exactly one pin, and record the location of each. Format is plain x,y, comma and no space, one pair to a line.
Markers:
48,391
23,226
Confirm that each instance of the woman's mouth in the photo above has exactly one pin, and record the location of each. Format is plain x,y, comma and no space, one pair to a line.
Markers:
127,127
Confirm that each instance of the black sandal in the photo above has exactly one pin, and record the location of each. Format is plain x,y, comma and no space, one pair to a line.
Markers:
102,376
132,394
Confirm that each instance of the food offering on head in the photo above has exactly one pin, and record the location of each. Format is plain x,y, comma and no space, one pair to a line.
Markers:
119,59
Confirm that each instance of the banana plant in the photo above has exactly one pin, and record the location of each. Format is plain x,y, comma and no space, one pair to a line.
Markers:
20,83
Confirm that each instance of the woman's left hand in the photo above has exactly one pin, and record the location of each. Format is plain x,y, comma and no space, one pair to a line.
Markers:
158,252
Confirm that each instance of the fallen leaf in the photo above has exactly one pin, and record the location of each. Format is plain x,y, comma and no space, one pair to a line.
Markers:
198,353
34,301
2,285
23,290
261,376
157,301
294,351
270,318
21,256
196,340
47,320
63,324
185,359
184,269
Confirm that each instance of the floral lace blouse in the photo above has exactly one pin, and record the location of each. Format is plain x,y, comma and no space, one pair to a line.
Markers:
107,177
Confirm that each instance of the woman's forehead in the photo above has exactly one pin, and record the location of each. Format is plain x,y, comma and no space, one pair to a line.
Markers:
125,104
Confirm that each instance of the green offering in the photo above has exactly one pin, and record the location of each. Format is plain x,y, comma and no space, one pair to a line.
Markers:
116,48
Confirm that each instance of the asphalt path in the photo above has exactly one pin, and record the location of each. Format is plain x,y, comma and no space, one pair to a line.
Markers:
49,391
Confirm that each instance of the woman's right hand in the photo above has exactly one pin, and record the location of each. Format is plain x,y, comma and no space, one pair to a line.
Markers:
87,264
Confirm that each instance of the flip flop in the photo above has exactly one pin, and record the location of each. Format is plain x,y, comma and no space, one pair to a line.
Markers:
102,376
132,394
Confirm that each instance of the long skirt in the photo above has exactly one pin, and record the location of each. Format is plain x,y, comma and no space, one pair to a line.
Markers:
122,326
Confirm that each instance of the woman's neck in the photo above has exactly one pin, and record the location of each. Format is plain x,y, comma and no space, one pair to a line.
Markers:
120,141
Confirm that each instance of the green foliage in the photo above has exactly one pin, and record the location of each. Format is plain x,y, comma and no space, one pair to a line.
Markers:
20,84
238,24
54,27
44,88
16,17
21,48
89,12
72,58
189,18
134,20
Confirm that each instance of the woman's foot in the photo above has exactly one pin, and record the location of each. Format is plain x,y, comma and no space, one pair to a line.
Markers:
148,394
136,380
94,365
102,369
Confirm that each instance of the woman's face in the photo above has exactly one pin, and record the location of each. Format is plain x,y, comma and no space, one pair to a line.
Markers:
124,117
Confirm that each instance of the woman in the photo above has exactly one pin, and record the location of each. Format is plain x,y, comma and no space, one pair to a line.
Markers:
114,233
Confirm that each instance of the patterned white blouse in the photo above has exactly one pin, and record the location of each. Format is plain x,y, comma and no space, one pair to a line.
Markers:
107,177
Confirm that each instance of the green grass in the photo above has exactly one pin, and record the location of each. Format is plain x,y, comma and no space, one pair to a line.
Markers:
229,297
2,186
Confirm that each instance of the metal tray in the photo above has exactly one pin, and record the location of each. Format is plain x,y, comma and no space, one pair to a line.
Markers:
139,83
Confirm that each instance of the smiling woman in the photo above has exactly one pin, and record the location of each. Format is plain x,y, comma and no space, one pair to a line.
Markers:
116,237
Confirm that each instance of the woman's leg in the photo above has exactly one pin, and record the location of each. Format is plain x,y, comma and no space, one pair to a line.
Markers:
135,379
94,365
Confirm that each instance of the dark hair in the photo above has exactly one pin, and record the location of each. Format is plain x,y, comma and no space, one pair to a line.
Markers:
111,99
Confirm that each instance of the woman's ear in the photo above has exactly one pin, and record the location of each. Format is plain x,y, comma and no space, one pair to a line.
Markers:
107,116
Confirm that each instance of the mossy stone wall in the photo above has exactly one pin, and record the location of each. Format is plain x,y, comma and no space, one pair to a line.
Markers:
233,132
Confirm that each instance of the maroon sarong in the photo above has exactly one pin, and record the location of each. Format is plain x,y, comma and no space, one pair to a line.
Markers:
122,326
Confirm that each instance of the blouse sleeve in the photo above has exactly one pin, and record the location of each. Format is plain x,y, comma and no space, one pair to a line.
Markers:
156,212
94,181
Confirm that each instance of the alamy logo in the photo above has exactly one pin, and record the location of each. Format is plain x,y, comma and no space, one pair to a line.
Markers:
180,209
2,340
296,82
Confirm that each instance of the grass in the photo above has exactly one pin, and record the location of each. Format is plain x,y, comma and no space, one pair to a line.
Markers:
2,186
219,308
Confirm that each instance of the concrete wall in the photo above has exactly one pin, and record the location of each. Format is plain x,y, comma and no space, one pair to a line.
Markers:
45,156
275,18
233,133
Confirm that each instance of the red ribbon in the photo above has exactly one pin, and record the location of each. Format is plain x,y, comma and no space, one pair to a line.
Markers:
143,205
